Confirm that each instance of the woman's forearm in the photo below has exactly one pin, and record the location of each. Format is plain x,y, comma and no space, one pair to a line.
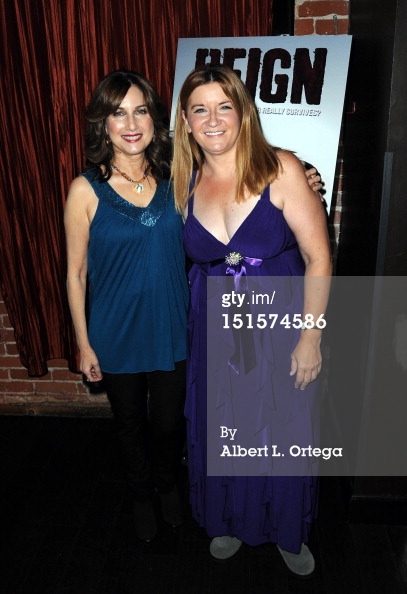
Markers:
76,287
317,284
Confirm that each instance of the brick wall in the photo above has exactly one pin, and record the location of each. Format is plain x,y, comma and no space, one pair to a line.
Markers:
61,392
321,17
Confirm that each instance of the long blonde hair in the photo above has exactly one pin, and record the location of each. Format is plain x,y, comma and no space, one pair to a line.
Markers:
257,164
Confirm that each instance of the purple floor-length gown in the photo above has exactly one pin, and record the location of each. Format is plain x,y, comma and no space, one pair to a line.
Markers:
255,509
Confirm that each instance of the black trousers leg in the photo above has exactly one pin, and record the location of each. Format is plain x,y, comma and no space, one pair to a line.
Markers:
166,414
149,405
127,394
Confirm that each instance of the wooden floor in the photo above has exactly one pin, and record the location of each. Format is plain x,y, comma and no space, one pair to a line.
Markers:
66,528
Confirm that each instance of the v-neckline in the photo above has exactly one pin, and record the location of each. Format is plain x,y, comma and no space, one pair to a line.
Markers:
131,203
237,230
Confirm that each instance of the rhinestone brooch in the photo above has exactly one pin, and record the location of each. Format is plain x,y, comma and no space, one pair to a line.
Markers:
233,258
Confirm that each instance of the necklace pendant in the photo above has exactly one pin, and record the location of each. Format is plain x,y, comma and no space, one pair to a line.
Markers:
138,188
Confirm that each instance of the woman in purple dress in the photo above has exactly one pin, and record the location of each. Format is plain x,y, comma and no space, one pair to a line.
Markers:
249,211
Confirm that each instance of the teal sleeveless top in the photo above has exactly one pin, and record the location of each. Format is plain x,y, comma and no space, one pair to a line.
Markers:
138,292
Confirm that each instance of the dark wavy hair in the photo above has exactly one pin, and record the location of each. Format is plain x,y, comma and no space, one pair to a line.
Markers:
105,100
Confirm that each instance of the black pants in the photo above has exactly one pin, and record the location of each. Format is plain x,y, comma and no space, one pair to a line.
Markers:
148,413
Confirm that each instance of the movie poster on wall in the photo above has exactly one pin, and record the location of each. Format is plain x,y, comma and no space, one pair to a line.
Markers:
298,84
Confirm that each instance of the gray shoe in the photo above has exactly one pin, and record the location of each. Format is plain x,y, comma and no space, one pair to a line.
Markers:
302,564
224,547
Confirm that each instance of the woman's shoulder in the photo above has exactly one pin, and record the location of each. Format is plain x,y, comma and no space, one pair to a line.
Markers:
291,183
90,176
80,191
81,184
289,162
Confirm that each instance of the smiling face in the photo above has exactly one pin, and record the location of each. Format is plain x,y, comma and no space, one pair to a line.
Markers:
130,128
212,119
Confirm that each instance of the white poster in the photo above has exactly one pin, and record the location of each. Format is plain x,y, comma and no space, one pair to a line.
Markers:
298,84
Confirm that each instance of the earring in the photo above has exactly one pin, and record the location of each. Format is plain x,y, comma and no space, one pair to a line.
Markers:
108,141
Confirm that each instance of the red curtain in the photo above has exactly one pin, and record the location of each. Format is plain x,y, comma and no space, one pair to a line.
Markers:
52,54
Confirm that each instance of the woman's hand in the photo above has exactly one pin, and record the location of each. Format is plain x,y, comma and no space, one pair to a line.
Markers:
306,359
314,181
89,365
313,178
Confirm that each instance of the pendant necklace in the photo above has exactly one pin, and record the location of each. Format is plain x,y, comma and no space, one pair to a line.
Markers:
138,186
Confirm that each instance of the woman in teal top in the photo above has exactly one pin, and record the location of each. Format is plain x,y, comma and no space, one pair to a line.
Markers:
124,244
138,293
